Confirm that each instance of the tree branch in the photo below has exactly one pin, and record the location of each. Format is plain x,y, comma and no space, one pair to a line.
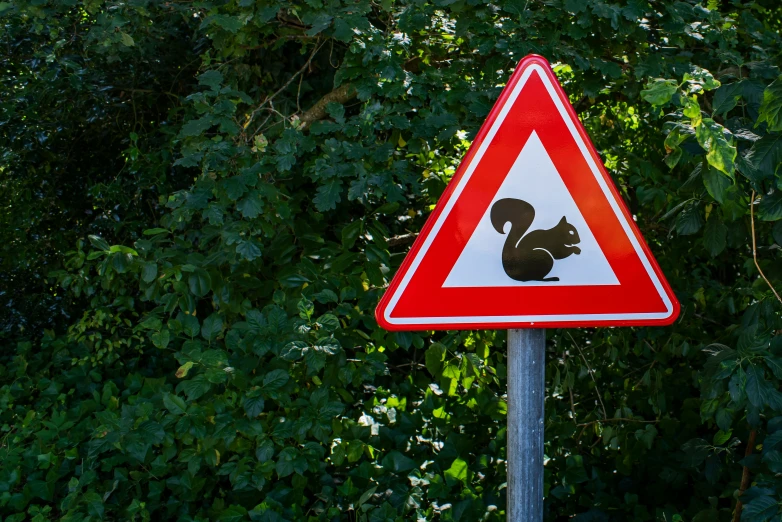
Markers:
745,473
589,370
754,246
402,240
341,94
268,99
618,419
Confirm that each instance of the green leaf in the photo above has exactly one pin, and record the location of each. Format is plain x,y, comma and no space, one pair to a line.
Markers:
181,373
398,463
366,495
190,325
234,187
214,358
328,195
265,451
253,406
773,459
574,470
211,79
149,272
770,207
195,387
212,327
319,23
127,40
174,404
757,387
659,92
403,339
98,242
326,296
458,472
248,250
694,452
342,30
327,345
702,77
155,231
251,206
306,308
763,159
151,432
777,233
285,162
673,157
328,322
274,380
772,441
721,437
293,280
197,127
726,97
672,142
199,282
293,351
435,355
772,105
151,322
256,320
45,490
759,509
724,419
214,214
229,23
122,249
692,109
716,183
336,111
350,233
161,338
387,208
689,221
715,235
575,6
720,151
233,513
647,435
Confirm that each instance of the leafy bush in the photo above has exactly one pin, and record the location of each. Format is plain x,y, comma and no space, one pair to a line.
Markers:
203,202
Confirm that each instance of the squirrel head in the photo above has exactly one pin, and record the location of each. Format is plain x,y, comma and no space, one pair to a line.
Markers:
569,231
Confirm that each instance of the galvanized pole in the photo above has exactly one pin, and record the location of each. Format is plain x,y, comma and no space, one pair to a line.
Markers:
526,391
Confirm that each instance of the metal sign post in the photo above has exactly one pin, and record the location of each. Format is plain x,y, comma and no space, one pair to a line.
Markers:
526,392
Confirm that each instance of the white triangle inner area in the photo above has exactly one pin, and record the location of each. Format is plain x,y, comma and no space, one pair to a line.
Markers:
534,179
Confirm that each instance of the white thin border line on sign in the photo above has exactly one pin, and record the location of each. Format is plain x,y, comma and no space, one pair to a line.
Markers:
460,187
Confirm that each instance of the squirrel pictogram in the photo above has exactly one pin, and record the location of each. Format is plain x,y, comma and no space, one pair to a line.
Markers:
531,257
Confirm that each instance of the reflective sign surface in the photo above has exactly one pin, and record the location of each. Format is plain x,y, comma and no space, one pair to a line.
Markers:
530,231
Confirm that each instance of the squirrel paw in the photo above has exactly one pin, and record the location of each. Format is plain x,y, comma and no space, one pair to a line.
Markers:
576,250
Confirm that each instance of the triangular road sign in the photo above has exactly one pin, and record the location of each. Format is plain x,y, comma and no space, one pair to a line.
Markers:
530,232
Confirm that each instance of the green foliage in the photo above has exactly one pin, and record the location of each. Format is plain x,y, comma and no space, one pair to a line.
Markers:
205,201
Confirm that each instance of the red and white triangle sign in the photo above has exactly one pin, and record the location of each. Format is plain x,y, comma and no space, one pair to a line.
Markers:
530,232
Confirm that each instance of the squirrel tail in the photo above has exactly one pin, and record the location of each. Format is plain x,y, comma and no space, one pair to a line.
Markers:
516,211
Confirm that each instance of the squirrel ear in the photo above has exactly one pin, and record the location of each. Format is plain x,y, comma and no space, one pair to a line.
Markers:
563,220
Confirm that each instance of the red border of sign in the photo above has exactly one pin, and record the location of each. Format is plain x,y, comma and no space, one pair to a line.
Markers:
563,291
